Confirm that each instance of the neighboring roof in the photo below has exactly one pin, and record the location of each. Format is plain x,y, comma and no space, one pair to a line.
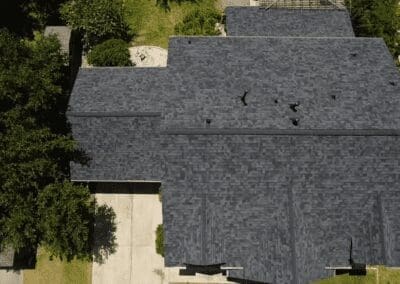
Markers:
7,257
283,207
63,33
259,21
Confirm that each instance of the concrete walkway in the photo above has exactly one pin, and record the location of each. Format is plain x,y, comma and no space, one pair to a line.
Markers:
135,260
10,277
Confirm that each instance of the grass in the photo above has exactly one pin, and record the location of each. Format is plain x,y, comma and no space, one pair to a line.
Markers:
58,272
386,276
153,25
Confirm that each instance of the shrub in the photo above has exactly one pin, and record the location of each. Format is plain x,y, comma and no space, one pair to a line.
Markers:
97,20
377,18
160,240
113,52
199,22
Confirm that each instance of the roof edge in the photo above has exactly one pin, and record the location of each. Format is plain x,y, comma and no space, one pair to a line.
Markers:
285,132
113,114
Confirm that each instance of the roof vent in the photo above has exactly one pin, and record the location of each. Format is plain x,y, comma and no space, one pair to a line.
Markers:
295,121
333,97
393,83
294,106
276,101
208,121
353,54
243,97
189,41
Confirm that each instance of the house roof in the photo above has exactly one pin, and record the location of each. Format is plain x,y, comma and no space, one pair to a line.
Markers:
278,71
340,83
242,184
282,207
259,21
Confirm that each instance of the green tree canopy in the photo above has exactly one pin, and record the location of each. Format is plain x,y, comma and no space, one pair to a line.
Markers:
66,213
112,52
24,16
199,22
35,151
377,18
97,20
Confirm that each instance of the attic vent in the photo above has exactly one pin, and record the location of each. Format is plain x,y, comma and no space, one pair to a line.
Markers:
294,106
243,97
393,83
295,121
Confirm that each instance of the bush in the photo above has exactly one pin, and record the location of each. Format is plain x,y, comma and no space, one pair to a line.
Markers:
377,18
199,22
97,20
113,52
160,240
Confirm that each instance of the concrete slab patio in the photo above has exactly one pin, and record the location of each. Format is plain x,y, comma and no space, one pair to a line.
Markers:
135,260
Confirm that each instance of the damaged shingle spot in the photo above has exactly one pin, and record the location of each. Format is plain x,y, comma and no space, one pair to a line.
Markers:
243,97
294,106
295,121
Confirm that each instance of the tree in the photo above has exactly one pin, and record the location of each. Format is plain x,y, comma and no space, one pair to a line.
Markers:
66,211
199,22
32,78
112,52
377,18
25,16
36,150
97,20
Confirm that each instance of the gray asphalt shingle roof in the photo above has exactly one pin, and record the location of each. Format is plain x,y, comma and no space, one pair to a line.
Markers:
215,72
283,207
250,188
256,21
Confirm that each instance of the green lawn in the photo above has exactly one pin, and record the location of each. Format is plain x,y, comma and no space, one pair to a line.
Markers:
58,272
386,276
153,25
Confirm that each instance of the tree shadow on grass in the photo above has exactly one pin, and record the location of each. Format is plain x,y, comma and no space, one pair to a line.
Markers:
103,234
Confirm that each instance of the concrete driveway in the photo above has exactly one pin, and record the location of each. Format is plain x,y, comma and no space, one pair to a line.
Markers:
135,260
10,277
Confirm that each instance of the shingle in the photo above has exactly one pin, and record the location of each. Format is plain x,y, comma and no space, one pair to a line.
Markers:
272,199
340,83
120,148
256,21
249,188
